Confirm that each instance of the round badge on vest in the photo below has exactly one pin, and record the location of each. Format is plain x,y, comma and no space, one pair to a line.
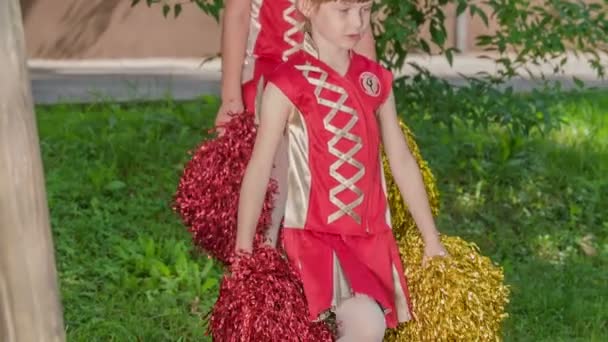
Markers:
370,83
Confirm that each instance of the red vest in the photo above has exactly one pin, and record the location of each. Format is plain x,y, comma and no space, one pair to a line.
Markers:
336,183
274,35
274,30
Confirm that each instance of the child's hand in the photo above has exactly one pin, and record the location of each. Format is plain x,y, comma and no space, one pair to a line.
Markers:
237,258
228,108
433,249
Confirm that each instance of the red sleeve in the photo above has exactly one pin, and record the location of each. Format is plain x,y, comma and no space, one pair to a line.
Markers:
283,78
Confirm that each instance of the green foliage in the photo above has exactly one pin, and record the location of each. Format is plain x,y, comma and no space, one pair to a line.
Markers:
477,103
527,33
126,266
211,7
397,31
543,32
158,268
533,203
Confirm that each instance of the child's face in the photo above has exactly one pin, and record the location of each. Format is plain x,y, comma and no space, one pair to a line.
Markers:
340,22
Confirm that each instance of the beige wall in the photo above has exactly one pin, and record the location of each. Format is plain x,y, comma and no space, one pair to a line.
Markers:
81,29
66,29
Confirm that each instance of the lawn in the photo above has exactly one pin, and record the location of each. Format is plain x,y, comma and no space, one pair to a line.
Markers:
535,204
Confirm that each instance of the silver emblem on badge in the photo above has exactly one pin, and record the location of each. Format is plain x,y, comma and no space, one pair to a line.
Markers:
370,83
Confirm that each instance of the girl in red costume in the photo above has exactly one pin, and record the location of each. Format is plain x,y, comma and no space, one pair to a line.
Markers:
257,36
330,109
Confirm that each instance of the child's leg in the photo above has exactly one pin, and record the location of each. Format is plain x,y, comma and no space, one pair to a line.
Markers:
360,319
279,173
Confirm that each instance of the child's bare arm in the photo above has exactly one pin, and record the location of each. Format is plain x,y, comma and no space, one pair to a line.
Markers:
407,176
274,115
235,29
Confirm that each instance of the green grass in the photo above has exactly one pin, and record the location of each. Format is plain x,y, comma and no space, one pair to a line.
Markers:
534,204
124,260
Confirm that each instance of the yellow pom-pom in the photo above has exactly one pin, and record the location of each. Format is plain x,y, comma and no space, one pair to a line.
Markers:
402,220
458,298
461,297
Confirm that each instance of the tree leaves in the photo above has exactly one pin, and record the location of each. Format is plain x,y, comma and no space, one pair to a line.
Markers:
211,7
177,9
522,35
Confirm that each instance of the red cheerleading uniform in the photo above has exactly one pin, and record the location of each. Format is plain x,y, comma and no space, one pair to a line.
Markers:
207,196
337,225
274,35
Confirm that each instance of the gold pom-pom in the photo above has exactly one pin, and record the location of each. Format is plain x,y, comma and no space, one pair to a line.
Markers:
458,298
461,297
401,218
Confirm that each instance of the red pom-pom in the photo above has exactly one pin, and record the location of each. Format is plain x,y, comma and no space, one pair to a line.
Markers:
263,300
208,193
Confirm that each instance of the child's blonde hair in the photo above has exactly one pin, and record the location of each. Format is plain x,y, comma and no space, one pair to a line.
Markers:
316,3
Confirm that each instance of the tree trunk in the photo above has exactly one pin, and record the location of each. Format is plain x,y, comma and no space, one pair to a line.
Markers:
29,306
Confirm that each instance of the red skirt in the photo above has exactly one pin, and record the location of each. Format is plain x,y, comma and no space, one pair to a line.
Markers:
336,267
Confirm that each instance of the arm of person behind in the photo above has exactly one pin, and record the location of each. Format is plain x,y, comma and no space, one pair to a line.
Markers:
408,178
274,116
235,30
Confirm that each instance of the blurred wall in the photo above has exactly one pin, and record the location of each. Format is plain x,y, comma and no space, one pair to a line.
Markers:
79,29
100,29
